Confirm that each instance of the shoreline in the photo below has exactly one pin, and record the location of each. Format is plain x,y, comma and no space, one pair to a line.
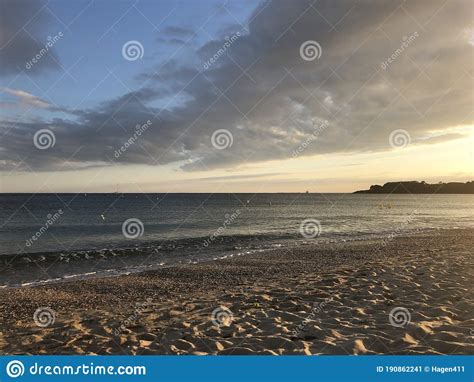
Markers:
326,298
46,259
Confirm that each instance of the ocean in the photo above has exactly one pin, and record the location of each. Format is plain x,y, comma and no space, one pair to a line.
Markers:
54,237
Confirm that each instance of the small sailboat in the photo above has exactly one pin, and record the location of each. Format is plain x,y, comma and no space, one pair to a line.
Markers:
119,194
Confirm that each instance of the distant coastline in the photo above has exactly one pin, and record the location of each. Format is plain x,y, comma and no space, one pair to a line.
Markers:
414,187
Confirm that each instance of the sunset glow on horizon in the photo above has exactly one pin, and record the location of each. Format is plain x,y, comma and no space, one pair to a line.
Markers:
233,99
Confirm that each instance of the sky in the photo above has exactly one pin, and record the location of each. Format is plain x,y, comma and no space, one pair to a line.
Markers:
234,96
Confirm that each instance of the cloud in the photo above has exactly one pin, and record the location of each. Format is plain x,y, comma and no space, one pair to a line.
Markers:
175,35
241,177
26,98
23,36
272,100
171,41
443,138
179,32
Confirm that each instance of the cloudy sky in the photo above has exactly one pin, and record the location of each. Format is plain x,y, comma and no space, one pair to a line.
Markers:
228,96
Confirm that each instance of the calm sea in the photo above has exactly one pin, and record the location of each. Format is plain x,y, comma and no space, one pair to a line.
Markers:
51,237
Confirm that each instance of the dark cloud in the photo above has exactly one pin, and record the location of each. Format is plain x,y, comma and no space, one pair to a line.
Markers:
272,101
172,41
23,37
179,32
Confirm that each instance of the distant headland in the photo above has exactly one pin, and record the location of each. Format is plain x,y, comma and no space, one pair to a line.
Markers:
414,187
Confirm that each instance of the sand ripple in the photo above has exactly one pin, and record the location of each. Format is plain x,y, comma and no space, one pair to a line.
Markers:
315,300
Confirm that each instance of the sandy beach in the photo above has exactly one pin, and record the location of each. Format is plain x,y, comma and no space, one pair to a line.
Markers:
406,295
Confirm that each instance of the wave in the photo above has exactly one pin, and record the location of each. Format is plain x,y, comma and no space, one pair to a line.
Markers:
22,269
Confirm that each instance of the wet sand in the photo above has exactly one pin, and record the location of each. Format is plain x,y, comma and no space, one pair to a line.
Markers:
405,295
